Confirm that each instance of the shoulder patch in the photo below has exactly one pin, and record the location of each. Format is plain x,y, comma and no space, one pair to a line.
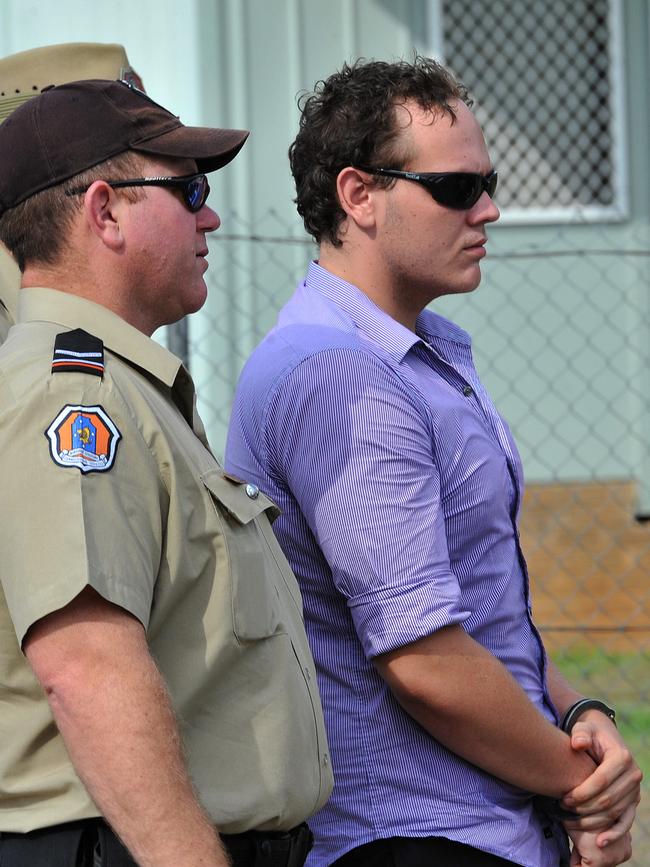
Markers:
78,352
84,437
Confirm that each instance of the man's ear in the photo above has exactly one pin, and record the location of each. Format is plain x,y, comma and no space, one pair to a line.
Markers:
357,196
103,208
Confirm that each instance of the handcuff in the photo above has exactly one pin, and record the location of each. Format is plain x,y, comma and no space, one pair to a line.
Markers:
571,716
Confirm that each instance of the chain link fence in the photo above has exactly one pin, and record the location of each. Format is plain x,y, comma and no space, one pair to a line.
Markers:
561,334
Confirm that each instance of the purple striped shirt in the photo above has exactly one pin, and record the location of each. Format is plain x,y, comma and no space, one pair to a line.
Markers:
400,487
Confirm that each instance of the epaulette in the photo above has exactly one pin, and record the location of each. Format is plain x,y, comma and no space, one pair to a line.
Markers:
78,352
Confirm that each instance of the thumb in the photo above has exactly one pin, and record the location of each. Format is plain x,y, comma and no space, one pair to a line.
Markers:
581,737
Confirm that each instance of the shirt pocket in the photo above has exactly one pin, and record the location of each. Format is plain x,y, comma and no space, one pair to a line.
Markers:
257,610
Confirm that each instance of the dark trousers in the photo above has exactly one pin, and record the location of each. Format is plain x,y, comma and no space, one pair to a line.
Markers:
419,852
91,843
87,843
269,849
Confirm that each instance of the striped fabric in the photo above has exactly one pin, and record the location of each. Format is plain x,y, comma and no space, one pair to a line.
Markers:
400,486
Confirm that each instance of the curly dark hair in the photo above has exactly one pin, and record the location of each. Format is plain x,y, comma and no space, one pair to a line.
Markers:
350,120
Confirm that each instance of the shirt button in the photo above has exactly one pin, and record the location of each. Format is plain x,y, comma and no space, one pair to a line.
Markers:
252,491
326,760
468,391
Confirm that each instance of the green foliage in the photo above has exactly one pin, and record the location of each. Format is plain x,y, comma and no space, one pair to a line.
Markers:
622,680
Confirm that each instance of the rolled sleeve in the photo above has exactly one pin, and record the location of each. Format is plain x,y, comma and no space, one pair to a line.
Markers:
373,505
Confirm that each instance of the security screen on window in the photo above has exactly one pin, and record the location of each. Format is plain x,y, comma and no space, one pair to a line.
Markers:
545,76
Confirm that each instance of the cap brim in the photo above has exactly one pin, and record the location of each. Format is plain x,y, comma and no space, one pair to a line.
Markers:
211,148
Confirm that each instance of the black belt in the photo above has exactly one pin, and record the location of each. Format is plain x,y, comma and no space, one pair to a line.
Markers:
269,848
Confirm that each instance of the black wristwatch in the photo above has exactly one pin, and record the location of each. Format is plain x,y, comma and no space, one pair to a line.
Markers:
571,716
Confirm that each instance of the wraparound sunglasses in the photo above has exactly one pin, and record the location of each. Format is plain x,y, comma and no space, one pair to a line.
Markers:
194,188
457,190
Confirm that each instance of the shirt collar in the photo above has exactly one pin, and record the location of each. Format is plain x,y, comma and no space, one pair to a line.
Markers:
70,311
375,323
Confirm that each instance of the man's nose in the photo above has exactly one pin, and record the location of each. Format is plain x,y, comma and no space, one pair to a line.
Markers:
484,211
207,220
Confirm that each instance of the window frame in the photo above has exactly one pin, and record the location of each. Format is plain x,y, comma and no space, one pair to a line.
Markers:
619,210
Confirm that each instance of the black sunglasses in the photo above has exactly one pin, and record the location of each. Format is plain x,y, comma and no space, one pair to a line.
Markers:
195,188
457,190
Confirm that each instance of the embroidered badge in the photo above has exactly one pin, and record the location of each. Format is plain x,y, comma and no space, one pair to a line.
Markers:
83,437
78,352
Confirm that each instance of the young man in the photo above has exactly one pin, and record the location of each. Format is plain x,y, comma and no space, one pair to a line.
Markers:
23,76
362,416
154,669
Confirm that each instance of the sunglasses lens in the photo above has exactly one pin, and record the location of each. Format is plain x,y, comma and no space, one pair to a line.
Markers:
196,192
457,190
461,190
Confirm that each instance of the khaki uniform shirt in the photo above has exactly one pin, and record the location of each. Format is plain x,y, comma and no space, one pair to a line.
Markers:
9,287
157,527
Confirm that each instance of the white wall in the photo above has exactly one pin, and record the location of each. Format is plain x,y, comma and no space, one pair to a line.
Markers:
155,33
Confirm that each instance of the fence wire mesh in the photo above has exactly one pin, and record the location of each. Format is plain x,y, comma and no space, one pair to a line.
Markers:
561,328
546,101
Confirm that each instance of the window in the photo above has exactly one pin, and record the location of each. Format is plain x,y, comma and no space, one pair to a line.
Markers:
545,78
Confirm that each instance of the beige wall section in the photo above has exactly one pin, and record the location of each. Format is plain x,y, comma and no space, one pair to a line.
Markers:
158,36
268,51
261,54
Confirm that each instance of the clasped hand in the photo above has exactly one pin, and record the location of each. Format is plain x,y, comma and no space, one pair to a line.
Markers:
607,800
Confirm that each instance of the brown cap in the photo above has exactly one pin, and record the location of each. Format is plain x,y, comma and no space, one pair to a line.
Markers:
70,128
25,74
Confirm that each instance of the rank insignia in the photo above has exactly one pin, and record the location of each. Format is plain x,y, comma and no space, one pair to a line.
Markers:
83,437
78,352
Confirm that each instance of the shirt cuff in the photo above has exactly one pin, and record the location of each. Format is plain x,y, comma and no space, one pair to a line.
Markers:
397,616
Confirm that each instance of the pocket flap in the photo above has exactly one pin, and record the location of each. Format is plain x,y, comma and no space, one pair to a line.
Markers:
242,500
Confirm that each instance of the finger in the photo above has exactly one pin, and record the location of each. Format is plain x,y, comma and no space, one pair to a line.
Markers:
616,772
602,822
595,824
620,795
581,737
618,830
588,854
605,810
617,852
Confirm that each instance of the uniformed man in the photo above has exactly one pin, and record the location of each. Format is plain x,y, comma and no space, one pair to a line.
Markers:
145,603
23,76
